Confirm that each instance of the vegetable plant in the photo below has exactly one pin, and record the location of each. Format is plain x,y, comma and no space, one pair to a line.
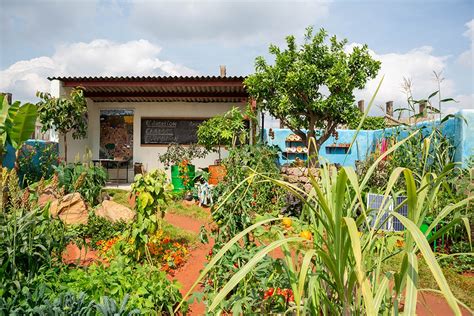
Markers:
153,194
340,272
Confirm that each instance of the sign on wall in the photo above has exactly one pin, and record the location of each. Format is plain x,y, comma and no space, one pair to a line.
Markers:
158,131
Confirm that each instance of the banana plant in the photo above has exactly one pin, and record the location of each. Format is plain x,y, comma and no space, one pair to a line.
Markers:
17,124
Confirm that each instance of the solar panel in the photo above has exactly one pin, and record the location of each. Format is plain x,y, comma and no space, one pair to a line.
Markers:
374,203
403,210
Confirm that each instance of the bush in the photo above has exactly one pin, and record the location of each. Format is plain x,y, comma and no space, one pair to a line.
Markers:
148,287
235,212
86,179
30,240
97,229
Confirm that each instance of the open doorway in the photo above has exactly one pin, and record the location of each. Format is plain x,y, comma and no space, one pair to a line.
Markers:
116,142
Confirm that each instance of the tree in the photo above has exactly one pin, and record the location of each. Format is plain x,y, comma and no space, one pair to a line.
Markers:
311,87
64,115
17,124
222,130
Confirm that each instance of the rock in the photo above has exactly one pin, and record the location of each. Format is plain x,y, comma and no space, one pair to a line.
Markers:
283,169
45,198
114,212
71,209
292,179
295,172
308,187
303,179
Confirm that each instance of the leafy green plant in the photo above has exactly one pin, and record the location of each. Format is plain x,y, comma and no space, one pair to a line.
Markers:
84,178
235,213
30,241
340,271
246,298
17,123
177,153
64,115
97,229
152,192
147,286
222,130
290,89
369,123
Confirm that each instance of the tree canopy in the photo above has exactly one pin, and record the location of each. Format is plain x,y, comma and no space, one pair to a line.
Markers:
64,115
310,87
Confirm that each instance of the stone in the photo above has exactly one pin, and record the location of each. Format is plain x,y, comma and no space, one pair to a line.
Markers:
71,209
45,198
295,172
303,179
292,179
308,187
283,169
114,212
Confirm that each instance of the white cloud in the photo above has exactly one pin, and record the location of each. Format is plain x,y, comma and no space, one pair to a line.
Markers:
464,101
467,57
226,20
97,58
418,65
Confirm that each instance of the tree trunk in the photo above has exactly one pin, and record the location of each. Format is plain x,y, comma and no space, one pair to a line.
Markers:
65,147
313,146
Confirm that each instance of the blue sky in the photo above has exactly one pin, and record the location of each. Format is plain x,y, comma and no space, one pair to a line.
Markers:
411,38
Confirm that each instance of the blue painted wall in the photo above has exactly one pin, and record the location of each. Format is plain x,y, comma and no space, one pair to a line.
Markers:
9,157
460,130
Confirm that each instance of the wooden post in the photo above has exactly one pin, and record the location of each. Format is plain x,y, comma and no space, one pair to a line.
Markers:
360,104
423,111
389,108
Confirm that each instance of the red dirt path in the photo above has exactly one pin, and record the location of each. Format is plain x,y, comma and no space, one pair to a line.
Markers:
189,273
428,303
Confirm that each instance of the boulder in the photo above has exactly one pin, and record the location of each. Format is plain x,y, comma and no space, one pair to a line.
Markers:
45,198
308,187
71,209
115,212
295,171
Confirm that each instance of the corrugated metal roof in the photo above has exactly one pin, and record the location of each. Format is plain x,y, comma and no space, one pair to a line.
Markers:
148,78
160,88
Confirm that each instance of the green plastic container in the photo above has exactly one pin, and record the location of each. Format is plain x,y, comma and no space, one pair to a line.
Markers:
177,181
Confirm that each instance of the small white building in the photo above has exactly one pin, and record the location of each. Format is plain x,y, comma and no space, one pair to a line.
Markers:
135,118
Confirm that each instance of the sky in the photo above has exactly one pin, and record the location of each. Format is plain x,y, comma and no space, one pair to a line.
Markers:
412,39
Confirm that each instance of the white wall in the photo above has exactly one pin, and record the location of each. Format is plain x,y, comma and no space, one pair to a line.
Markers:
147,154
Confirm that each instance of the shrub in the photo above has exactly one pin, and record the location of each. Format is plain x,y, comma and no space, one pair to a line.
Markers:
148,287
86,179
238,205
97,229
152,191
30,240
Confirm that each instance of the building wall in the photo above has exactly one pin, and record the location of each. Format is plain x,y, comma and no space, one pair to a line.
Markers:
146,154
459,129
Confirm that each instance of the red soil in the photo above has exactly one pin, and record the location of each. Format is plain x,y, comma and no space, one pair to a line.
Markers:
428,303
189,273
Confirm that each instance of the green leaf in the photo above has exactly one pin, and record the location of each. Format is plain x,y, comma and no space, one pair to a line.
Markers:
24,124
430,259
412,283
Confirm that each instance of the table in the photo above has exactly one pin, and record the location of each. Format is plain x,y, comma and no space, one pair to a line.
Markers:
118,163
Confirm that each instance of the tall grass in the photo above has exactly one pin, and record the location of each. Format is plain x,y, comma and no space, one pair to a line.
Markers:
340,271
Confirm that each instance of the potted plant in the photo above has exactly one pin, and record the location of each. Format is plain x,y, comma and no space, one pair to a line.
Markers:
221,130
179,158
